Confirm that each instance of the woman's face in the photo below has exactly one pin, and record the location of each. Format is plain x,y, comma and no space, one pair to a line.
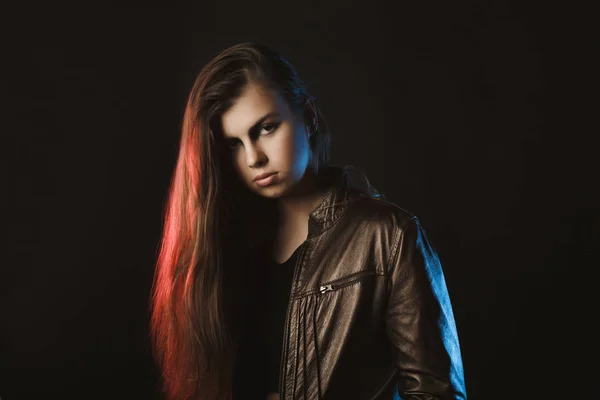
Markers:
265,136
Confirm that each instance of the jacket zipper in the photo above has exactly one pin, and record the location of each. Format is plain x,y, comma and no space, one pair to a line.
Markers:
328,287
323,289
285,326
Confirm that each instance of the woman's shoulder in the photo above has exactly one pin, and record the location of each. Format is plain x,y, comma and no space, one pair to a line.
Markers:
381,211
373,206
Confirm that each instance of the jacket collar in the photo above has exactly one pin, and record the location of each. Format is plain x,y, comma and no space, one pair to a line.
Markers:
347,185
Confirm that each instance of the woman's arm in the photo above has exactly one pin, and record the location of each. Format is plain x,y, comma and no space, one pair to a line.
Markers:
420,322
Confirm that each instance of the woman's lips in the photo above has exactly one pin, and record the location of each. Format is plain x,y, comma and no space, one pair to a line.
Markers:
266,181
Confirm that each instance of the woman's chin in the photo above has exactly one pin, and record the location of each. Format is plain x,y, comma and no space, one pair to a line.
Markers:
269,192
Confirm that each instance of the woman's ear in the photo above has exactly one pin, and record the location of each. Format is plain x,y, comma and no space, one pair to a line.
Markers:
311,116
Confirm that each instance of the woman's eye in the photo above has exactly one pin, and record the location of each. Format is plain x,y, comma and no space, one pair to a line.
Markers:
269,127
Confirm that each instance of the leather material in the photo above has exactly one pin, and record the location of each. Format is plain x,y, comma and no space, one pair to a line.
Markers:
369,314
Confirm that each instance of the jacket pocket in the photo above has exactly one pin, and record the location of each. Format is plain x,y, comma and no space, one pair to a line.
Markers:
344,281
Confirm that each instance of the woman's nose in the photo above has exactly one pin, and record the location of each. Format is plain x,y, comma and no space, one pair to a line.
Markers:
254,155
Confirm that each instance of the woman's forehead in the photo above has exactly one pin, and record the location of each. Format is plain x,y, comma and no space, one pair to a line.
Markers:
254,103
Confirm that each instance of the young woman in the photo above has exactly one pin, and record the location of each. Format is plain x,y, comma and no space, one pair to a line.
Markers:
281,276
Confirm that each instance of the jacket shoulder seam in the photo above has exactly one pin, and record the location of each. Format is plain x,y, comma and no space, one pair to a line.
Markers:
396,243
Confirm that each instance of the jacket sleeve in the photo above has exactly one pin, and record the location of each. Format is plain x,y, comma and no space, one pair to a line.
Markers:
420,322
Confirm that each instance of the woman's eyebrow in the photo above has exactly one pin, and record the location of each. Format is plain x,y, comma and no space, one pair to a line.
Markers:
257,124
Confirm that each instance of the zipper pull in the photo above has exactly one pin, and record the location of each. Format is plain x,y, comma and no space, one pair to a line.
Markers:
326,288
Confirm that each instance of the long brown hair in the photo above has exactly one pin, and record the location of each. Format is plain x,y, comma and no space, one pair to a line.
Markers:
193,313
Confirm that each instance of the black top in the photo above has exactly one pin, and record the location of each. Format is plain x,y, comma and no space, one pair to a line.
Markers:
259,359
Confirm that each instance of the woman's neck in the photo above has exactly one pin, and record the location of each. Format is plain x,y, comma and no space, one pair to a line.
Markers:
296,206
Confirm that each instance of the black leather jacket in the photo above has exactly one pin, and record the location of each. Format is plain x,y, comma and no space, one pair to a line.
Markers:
369,314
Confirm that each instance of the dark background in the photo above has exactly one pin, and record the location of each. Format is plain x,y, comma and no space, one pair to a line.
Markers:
472,115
